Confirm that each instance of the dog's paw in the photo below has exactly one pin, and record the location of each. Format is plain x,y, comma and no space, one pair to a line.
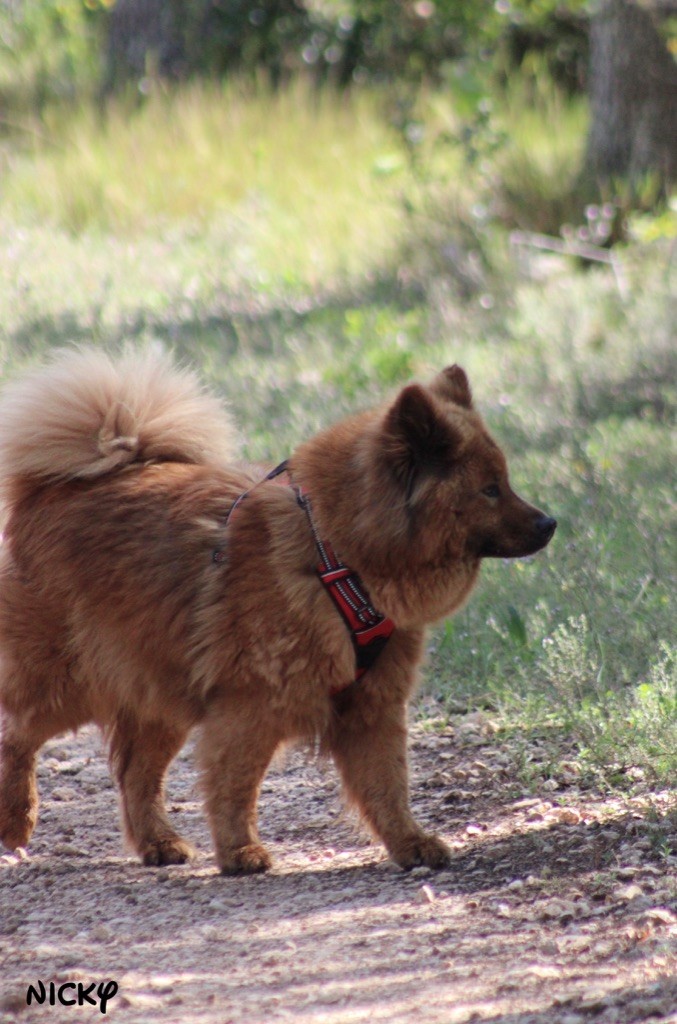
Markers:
166,851
245,860
16,827
421,849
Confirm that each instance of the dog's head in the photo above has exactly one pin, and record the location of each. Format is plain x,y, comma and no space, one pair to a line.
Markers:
414,495
453,477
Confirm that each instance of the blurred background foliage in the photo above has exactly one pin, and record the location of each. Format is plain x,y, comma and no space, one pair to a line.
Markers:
70,50
69,46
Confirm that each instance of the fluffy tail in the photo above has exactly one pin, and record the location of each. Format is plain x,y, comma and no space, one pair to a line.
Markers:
85,414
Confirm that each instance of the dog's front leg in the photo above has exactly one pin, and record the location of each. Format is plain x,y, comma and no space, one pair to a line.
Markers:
237,745
371,754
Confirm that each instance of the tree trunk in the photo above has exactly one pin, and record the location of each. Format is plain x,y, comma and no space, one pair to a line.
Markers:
633,96
144,37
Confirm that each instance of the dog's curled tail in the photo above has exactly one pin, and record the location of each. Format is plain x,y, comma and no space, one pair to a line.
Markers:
85,414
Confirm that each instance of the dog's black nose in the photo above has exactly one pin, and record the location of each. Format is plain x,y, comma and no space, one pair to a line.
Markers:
546,526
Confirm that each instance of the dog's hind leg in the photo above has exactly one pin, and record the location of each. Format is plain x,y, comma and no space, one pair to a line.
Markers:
39,698
22,736
18,789
140,754
371,755
237,745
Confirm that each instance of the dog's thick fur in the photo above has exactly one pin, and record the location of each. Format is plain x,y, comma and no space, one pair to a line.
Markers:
117,477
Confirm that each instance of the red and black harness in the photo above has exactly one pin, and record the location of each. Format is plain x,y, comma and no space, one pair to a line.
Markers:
369,630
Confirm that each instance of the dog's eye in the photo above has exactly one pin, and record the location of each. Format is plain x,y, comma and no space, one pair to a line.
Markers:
492,491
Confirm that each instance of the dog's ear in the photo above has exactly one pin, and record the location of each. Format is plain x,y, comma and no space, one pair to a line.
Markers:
417,438
452,384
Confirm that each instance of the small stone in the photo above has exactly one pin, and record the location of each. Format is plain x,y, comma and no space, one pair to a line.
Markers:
559,910
65,794
60,867
390,866
67,850
660,916
218,905
526,803
544,971
162,983
425,895
566,815
595,999
439,778
628,892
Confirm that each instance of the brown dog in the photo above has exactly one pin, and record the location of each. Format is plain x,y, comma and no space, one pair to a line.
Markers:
138,593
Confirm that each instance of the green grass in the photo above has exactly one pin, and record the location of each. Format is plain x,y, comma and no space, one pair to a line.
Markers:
295,186
300,188
295,251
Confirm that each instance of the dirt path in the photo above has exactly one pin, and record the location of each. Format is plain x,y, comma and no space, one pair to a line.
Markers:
561,907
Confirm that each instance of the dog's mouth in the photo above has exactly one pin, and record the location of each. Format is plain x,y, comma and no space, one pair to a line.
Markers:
539,537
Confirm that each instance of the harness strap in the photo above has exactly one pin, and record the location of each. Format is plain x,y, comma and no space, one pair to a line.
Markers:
219,555
369,629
